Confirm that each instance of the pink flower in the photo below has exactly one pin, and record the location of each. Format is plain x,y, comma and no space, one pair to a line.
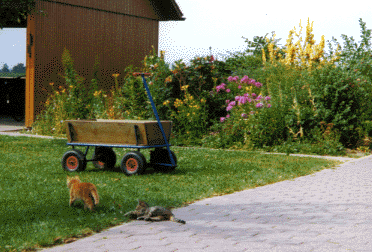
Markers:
246,94
259,105
222,119
239,87
233,103
236,78
253,95
230,79
228,90
244,115
258,84
227,116
227,101
267,98
251,81
237,98
222,86
228,108
259,98
269,105
243,99
245,79
211,58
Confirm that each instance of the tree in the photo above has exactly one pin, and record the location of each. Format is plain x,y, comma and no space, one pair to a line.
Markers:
19,68
15,11
5,68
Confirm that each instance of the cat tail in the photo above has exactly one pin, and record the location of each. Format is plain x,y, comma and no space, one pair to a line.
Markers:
174,219
95,196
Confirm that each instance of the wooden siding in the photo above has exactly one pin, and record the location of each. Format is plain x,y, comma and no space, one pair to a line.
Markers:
117,40
139,8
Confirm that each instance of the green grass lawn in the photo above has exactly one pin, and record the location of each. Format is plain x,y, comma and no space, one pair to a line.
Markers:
34,198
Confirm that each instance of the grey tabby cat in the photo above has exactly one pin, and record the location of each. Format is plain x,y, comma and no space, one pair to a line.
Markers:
155,213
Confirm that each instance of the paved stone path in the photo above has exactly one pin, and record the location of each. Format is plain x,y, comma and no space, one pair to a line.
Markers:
330,210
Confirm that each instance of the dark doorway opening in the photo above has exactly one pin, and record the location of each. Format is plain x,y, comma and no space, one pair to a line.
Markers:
12,97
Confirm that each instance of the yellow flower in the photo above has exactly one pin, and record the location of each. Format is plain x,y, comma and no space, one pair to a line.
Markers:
183,88
263,56
115,75
51,83
168,79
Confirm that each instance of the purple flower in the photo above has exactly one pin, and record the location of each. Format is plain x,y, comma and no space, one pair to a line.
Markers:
269,105
244,115
267,98
222,119
228,90
259,105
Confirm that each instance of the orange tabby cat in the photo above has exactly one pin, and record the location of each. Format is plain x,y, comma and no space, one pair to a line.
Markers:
82,191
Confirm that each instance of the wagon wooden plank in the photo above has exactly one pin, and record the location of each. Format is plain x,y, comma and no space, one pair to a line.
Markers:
117,132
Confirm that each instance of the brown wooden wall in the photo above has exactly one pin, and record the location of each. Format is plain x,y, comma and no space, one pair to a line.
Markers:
118,41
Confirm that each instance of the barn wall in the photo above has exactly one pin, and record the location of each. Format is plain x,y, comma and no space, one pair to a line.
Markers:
142,8
117,40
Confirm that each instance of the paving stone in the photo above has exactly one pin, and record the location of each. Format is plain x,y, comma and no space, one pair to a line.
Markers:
330,210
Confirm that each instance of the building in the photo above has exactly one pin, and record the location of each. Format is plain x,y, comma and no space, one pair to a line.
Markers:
116,32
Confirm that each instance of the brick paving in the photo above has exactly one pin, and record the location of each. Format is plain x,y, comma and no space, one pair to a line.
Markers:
330,210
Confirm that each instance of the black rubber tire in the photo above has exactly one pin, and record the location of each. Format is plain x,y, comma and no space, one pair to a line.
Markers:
74,160
105,158
133,162
160,155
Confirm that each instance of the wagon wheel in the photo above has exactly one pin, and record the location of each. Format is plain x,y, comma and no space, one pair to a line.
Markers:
160,155
104,158
74,160
133,162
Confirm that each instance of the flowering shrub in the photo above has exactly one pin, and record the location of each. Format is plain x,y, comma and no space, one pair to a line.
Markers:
243,101
190,115
245,104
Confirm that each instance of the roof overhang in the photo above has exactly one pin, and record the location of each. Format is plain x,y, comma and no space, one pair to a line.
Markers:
168,10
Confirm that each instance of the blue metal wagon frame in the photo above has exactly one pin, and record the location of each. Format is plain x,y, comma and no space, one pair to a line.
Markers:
133,162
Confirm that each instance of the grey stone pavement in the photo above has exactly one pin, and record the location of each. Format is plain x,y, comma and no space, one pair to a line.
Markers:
330,210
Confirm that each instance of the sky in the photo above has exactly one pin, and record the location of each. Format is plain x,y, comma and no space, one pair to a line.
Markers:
222,24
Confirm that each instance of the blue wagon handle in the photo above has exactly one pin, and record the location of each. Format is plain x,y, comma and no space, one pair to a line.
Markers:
173,163
137,73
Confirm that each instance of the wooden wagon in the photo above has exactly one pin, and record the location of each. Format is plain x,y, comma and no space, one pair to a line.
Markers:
104,135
